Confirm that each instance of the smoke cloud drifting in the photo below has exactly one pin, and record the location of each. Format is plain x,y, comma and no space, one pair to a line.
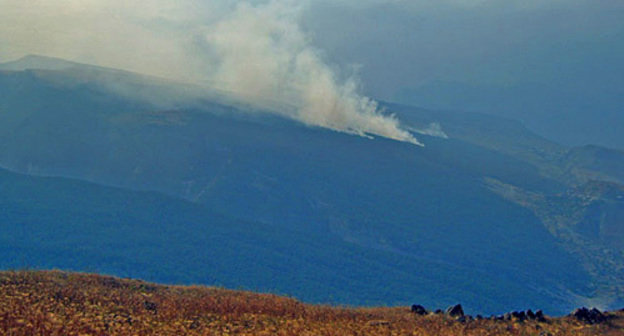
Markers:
256,52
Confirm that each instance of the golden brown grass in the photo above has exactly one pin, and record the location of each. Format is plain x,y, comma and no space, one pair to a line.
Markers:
60,303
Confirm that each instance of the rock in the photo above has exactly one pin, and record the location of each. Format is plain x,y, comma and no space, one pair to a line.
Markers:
598,316
520,316
539,316
455,311
580,313
530,314
419,310
195,324
438,311
588,316
479,317
151,306
507,316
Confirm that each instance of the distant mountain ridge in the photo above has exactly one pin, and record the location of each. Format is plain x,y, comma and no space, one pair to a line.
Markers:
557,110
333,209
30,62
157,92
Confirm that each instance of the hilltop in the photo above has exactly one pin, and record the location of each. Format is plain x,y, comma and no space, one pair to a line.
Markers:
61,303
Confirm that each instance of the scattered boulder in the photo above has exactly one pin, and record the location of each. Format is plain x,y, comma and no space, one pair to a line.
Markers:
539,316
520,316
195,324
419,310
151,306
455,311
588,316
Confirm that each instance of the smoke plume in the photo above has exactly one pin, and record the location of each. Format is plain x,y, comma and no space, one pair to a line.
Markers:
256,52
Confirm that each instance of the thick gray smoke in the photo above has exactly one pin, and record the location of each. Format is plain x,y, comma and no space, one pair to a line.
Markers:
256,52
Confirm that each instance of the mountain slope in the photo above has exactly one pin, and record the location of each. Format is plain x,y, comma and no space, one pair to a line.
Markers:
569,165
59,223
329,217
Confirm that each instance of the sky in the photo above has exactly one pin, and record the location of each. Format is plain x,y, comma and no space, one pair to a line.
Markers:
557,66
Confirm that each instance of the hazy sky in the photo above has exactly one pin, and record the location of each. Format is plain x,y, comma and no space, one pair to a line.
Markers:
406,43
402,43
537,61
558,66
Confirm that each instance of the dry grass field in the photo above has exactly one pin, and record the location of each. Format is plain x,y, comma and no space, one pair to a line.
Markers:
60,303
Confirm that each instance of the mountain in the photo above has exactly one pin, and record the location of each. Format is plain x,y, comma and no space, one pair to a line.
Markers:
60,223
559,111
568,165
304,211
38,62
595,163
53,222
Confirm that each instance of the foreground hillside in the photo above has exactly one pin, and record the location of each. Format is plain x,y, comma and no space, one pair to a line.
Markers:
59,303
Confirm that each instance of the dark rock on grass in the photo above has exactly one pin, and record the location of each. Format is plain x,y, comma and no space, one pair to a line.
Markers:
530,314
520,316
151,306
539,316
455,311
419,310
438,311
588,316
195,324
